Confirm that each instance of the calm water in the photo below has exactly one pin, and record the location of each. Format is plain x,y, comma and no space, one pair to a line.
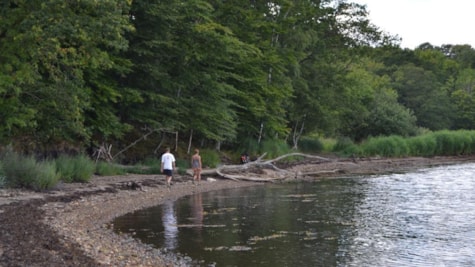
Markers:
426,218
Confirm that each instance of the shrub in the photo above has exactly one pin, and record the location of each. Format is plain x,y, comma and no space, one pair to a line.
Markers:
75,169
209,158
153,166
84,168
310,145
424,145
150,165
387,146
229,156
328,144
65,167
345,147
471,145
274,148
47,176
152,162
25,171
445,143
19,171
182,165
452,143
462,143
250,146
108,169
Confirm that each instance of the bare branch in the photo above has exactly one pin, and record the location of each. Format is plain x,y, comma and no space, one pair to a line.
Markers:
258,170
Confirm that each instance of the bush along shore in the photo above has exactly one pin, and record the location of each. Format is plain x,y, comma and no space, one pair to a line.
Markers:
19,171
57,212
70,224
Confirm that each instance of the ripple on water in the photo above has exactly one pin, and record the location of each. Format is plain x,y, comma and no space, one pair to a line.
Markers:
424,218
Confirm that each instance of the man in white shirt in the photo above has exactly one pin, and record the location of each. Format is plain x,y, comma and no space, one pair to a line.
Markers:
168,166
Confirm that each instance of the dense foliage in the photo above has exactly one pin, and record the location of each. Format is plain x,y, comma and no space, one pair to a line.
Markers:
76,75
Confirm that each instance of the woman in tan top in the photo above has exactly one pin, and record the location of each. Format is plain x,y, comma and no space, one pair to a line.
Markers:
196,165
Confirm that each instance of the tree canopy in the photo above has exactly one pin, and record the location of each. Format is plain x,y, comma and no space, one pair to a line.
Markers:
77,74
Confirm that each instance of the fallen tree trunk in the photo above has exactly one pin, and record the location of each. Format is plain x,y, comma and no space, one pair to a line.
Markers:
260,170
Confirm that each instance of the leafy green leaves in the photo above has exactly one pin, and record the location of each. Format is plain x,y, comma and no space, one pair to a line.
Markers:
47,47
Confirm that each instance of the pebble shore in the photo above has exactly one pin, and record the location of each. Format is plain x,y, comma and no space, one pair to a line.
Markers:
71,224
86,222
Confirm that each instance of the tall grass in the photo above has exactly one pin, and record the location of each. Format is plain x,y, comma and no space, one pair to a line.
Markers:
47,176
75,169
390,146
26,172
345,147
19,171
65,166
148,166
328,144
439,143
423,145
109,169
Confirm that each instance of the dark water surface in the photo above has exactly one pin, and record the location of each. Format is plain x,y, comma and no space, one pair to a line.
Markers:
425,218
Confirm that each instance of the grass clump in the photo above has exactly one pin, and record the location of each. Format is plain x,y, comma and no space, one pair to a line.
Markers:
148,166
386,146
423,145
328,144
109,169
25,172
19,171
75,169
345,147
429,144
66,166
47,175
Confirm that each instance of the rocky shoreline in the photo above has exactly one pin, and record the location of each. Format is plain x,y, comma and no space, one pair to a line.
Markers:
70,225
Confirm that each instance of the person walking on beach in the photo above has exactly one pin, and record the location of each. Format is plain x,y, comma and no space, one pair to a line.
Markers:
168,166
196,165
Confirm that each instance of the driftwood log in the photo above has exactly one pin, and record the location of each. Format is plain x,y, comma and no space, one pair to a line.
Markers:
260,170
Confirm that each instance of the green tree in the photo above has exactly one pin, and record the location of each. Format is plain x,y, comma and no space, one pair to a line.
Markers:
191,70
420,91
325,40
464,100
372,107
263,94
47,48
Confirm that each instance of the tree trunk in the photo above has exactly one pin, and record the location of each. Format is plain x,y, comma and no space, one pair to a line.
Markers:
260,170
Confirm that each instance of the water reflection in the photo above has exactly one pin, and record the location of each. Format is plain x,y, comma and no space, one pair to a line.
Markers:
196,203
417,219
170,225
197,213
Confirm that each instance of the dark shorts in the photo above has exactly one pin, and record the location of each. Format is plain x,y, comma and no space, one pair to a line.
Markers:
168,172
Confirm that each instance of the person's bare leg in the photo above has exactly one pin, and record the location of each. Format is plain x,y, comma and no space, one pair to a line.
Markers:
169,180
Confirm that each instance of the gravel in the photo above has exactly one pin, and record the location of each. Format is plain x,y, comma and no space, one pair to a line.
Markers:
71,224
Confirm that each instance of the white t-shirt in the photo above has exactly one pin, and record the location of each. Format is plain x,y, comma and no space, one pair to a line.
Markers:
167,161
